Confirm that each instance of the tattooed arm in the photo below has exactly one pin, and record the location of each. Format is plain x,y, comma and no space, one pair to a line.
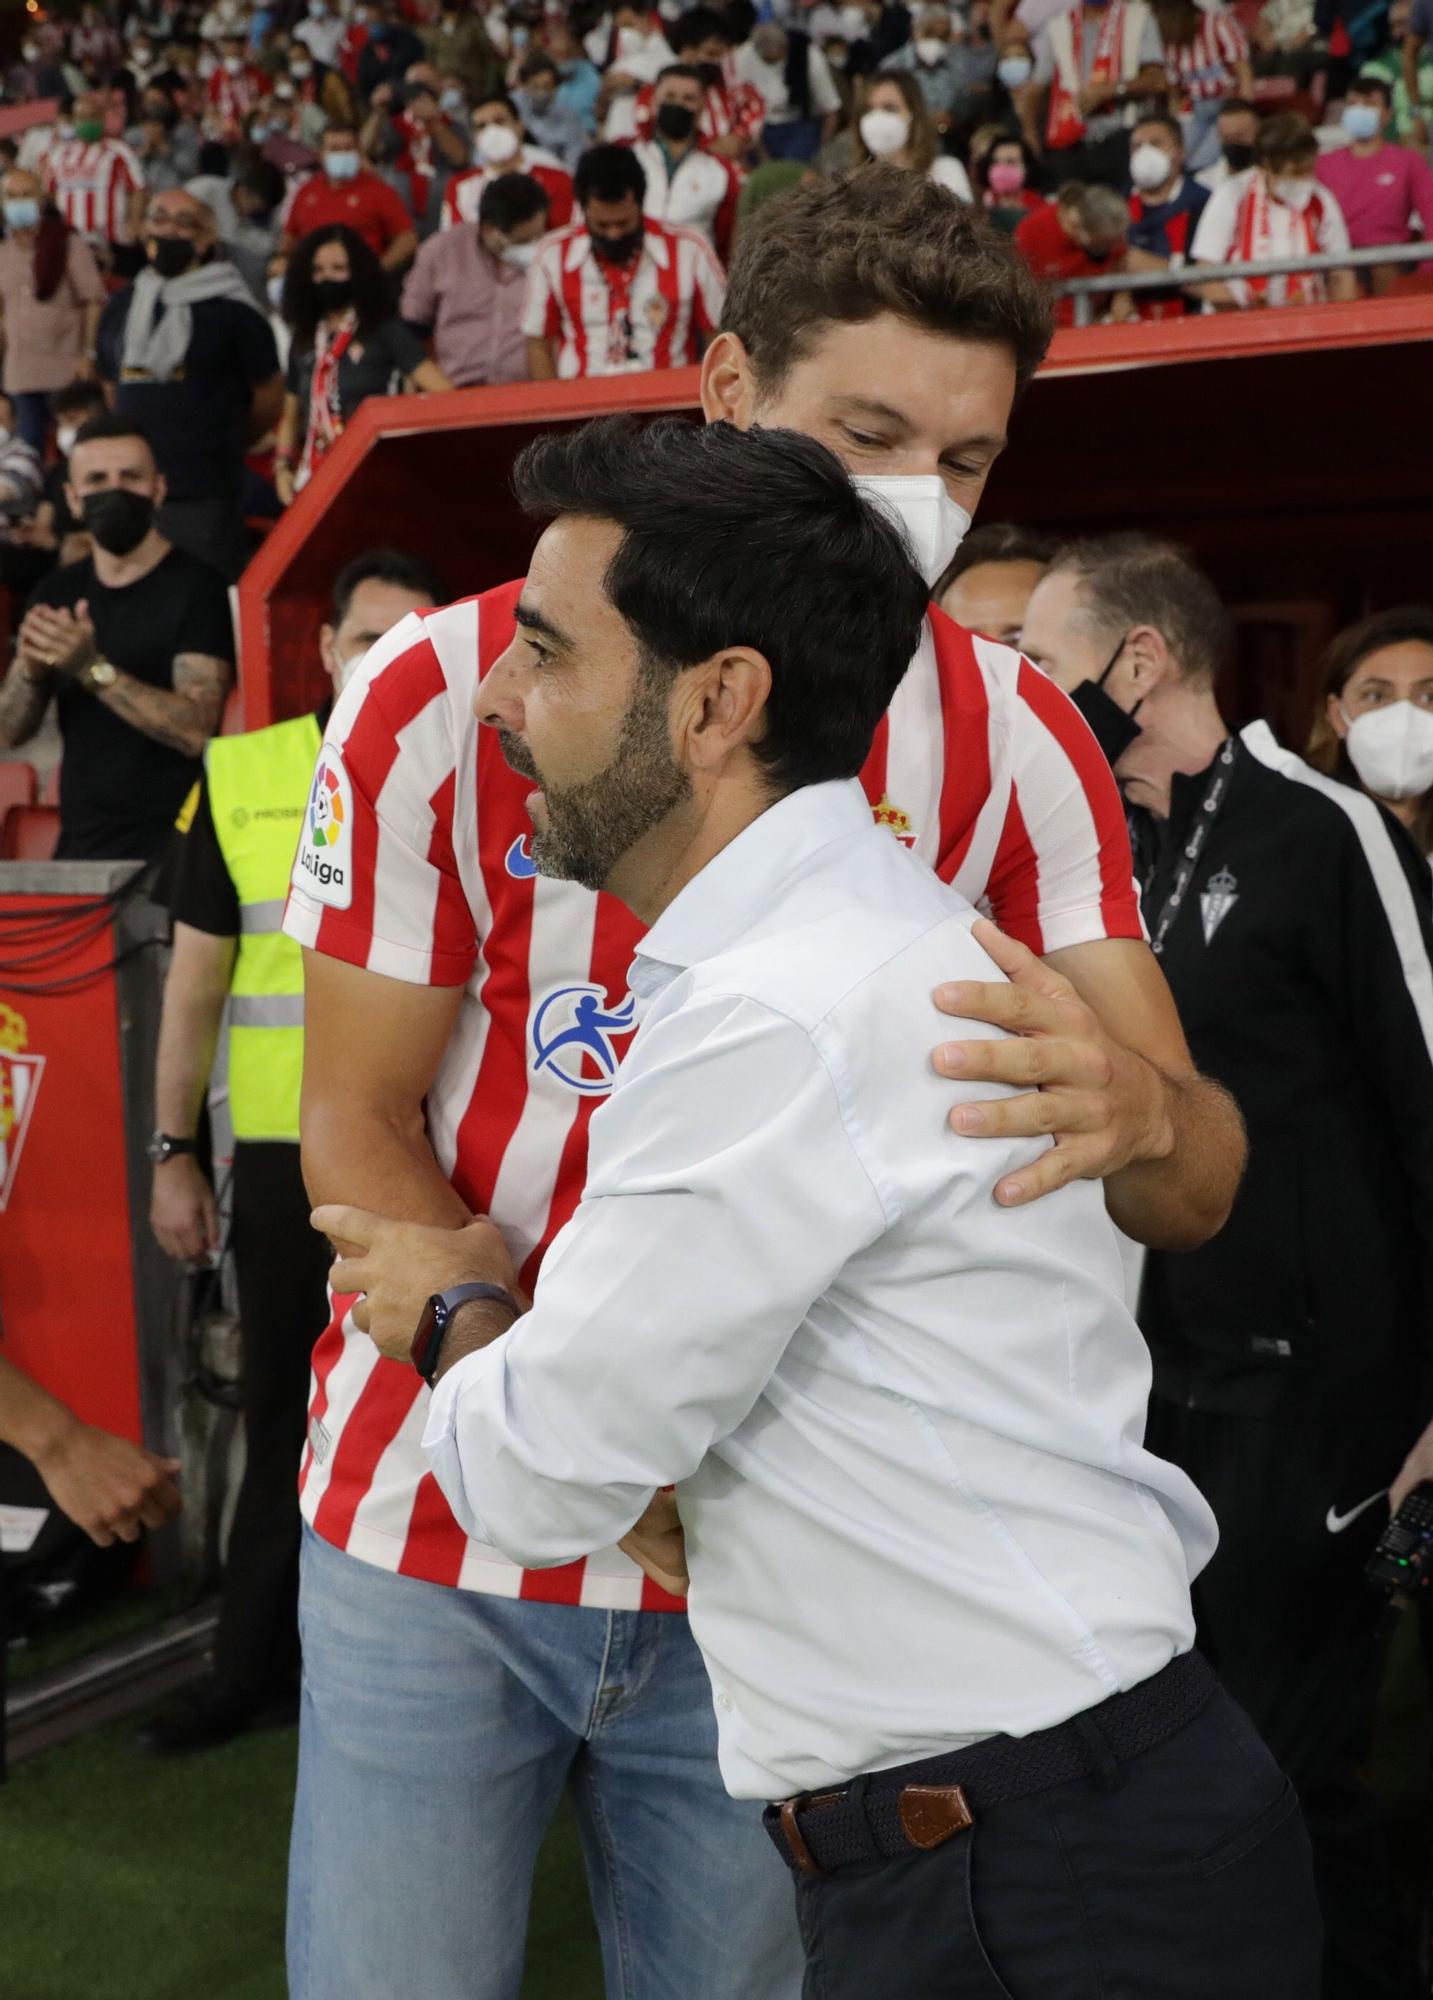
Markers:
183,717
24,697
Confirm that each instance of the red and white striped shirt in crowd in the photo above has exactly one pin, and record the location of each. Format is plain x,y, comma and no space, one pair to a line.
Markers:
464,191
415,865
232,97
649,314
730,107
93,181
1204,68
699,193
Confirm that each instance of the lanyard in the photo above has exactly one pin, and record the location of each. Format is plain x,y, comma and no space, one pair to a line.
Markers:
621,334
1194,846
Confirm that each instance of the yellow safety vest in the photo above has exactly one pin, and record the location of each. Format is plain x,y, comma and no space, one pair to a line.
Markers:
258,791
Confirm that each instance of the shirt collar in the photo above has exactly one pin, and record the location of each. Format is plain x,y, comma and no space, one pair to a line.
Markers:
742,882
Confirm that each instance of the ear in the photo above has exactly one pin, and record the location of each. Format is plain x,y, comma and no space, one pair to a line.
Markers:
721,708
1333,708
728,386
1148,660
325,652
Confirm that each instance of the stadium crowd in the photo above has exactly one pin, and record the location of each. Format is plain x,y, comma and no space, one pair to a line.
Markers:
241,222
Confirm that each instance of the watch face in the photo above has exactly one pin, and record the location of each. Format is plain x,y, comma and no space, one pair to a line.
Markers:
158,1150
422,1351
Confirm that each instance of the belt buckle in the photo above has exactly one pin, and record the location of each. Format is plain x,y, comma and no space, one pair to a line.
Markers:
795,1840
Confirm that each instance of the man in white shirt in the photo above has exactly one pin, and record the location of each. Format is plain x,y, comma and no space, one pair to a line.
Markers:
686,184
788,1282
796,86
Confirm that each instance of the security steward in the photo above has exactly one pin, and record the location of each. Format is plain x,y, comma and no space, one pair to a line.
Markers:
1290,915
238,829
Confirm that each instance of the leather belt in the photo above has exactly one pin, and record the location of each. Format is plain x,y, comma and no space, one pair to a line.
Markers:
919,1806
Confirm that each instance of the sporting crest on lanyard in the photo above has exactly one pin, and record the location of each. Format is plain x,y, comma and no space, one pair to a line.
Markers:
1216,901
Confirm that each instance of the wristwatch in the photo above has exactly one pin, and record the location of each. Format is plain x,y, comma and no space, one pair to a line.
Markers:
163,1146
100,674
437,1317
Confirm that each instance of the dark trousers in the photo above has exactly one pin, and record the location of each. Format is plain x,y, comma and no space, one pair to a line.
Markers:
1182,1874
282,1267
1299,1641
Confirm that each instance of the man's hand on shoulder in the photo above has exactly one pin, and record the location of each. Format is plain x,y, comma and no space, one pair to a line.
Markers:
1102,1104
398,1266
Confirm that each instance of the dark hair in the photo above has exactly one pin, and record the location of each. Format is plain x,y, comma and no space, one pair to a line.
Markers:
878,241
77,395
981,163
264,180
741,19
393,566
1369,86
698,25
511,200
1131,580
608,173
1238,104
336,128
213,159
1000,541
497,96
1326,749
687,71
537,62
1171,125
747,538
1283,139
108,425
371,300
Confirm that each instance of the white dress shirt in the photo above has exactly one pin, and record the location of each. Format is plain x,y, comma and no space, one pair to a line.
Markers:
904,1424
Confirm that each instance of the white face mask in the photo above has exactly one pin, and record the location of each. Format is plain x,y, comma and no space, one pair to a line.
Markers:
344,670
934,524
931,49
1150,166
1391,749
275,288
885,132
497,144
519,255
1296,194
65,436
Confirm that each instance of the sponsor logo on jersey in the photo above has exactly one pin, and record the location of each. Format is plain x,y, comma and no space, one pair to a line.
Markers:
324,868
572,1034
20,1073
519,863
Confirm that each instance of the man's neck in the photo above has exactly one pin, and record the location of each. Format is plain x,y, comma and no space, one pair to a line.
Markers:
676,150
654,872
1367,149
114,572
1191,723
1166,191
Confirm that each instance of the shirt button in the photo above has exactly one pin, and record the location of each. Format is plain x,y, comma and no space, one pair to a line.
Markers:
724,1702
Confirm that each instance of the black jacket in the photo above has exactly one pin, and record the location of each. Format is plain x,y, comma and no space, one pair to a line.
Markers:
1304,978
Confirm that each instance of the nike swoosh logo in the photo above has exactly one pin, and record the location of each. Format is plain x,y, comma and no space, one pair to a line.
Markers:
1336,1523
519,863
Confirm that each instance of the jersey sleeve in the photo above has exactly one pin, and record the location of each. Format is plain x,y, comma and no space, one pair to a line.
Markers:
708,287
541,317
1062,873
375,880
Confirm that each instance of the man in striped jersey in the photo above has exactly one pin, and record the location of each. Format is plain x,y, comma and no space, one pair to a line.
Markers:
463,1020
96,182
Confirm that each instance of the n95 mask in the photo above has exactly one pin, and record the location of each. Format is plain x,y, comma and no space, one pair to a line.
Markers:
934,525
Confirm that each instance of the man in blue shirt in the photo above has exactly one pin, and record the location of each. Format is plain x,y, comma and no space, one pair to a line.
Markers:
1164,208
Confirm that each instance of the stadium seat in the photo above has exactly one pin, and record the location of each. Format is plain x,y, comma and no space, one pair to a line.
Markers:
19,785
30,833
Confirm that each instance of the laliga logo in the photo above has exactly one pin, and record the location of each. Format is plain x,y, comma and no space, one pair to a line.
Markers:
20,1075
573,1027
327,823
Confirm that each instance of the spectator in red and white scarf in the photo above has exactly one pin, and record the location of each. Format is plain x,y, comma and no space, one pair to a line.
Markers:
1274,211
348,344
408,127
234,90
1099,67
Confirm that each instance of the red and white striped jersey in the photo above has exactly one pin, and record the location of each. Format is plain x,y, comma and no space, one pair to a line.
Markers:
609,322
700,194
92,181
1204,68
414,864
464,191
231,98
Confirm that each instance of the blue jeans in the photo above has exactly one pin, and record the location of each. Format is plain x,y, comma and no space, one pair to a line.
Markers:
32,417
438,1731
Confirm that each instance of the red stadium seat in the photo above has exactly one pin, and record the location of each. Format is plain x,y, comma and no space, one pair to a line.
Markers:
19,785
30,833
